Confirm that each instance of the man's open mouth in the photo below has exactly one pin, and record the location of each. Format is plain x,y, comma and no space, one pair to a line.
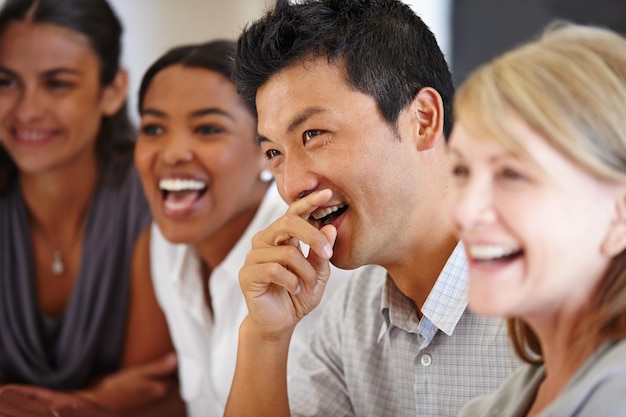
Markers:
327,215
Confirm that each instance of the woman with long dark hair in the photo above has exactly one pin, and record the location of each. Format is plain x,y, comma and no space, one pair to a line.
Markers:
75,306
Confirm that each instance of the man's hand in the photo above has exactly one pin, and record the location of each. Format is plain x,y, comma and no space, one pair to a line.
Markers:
279,283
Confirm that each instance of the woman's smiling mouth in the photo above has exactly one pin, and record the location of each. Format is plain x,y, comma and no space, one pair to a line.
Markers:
180,194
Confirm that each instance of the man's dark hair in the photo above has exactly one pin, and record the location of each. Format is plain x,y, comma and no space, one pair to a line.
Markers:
388,51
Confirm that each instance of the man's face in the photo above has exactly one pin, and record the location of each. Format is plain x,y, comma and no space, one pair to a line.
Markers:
321,134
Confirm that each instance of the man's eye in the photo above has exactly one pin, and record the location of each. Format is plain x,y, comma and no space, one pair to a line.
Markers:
310,134
152,130
272,153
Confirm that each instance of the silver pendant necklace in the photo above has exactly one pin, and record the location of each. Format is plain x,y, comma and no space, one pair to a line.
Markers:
57,264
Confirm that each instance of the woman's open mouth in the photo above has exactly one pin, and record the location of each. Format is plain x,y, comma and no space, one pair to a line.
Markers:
179,195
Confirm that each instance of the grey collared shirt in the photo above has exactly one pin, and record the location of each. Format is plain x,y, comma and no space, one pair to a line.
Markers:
372,356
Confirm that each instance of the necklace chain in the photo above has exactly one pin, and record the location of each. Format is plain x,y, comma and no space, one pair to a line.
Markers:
58,265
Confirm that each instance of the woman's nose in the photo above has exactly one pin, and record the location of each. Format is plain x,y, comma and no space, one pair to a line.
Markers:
29,105
176,151
472,204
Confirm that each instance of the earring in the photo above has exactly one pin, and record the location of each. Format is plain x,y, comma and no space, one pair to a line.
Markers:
266,176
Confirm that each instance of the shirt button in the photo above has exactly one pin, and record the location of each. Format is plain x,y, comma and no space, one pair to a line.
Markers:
426,360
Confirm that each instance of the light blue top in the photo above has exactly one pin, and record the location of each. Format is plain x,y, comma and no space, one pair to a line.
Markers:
598,389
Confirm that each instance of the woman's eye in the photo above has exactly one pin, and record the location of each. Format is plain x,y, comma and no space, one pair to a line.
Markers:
310,134
6,82
151,130
272,153
460,171
511,174
58,84
208,130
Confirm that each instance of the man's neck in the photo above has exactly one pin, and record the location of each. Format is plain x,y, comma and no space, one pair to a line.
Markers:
415,273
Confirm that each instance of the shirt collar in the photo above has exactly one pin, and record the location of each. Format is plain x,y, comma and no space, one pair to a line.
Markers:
442,309
448,299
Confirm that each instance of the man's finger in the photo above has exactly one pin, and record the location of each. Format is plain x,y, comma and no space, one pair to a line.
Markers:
305,206
321,261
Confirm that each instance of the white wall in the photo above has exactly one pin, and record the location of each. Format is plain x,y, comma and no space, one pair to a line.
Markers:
153,26
436,14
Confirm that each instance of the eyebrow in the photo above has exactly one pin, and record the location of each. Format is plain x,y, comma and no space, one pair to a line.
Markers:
300,118
303,117
60,71
49,73
8,72
194,114
210,110
493,159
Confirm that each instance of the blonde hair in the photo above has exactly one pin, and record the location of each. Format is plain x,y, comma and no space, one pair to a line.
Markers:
569,86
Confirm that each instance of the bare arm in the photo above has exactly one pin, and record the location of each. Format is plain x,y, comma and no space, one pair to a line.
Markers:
280,286
147,381
147,334
29,401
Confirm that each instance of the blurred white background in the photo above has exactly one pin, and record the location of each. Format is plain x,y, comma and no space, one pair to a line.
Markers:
153,26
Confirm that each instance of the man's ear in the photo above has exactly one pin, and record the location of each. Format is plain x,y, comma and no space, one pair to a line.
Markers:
114,94
615,241
426,112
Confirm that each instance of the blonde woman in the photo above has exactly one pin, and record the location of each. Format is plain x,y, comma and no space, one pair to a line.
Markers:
539,150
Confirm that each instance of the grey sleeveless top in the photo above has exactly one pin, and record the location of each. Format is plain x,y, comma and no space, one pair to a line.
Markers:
87,340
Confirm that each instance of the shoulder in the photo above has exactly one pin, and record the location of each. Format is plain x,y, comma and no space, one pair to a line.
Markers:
142,245
598,388
514,395
608,400
607,365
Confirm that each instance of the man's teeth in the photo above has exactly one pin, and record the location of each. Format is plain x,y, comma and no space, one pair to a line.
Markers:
321,213
488,252
177,184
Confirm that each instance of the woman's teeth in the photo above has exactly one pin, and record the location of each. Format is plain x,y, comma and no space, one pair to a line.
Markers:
176,184
32,135
490,252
